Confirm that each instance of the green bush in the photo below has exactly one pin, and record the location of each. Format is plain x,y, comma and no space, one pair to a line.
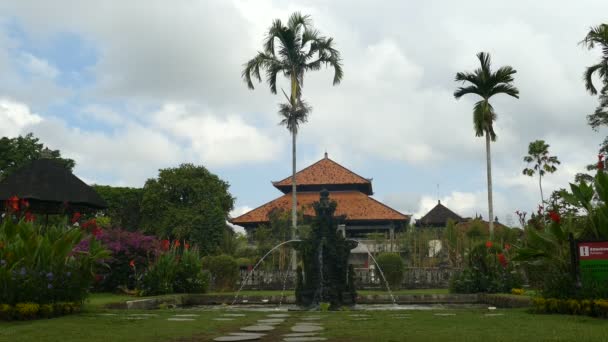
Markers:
190,276
224,271
45,265
176,270
595,307
487,270
392,267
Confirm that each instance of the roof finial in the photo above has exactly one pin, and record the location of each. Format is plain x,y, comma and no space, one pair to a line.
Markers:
325,154
46,153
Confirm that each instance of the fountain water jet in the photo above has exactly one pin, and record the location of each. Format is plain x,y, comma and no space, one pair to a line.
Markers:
257,264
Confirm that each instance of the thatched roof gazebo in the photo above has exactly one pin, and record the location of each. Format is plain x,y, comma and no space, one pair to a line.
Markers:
50,188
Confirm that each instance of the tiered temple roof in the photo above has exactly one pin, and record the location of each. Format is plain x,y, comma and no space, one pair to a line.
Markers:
350,191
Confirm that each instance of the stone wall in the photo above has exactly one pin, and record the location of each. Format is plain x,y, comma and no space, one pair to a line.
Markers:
421,278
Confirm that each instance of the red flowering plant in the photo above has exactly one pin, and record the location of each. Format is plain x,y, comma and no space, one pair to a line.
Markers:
18,209
130,252
488,270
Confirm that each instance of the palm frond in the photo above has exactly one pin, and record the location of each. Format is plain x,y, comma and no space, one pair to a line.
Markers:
297,21
253,66
505,89
588,77
461,91
486,64
294,115
468,77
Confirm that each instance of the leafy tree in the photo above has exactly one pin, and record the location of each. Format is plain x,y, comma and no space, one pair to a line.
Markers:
187,202
19,151
598,35
124,205
293,50
538,153
486,84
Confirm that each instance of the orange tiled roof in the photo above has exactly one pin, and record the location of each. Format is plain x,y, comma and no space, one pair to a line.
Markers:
354,205
325,171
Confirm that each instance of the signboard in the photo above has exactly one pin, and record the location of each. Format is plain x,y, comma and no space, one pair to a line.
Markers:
593,261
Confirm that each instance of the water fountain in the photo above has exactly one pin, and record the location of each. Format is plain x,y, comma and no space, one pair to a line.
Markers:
325,275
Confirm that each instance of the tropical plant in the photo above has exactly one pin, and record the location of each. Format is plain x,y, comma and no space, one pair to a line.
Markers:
486,84
292,50
392,267
598,35
224,271
489,269
43,265
538,153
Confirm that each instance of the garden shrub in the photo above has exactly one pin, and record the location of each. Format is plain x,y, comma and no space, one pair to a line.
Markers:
392,267
190,276
488,270
44,265
126,247
587,307
176,270
224,271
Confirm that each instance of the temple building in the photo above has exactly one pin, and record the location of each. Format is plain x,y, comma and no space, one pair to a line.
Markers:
360,214
438,217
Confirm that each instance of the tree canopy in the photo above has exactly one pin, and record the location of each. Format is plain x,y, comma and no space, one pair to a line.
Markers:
124,205
187,202
19,151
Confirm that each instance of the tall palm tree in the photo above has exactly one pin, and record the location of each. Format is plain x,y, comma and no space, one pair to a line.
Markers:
486,84
538,153
293,50
598,35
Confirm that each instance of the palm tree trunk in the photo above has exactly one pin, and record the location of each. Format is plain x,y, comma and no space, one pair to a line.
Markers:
489,169
294,197
294,200
540,185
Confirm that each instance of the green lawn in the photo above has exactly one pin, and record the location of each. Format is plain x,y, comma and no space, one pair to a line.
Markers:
103,325
464,325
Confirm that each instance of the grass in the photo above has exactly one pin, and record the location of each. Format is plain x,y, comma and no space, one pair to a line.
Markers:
95,325
465,325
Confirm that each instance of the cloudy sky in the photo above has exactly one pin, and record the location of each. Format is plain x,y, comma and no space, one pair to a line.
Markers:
128,87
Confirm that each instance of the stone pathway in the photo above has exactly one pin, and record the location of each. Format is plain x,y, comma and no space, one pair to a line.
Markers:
307,329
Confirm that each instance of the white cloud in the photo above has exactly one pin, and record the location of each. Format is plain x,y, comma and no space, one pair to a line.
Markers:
37,66
216,140
236,212
15,117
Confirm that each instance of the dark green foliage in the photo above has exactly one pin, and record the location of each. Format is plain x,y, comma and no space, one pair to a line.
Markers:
19,151
187,203
393,268
44,265
325,272
486,273
224,271
175,271
124,205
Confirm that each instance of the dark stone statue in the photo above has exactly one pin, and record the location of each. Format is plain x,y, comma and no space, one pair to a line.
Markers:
324,275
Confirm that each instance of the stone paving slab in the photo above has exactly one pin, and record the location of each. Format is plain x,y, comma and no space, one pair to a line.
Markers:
233,315
278,316
235,338
271,320
223,319
311,318
306,328
258,328
186,315
301,334
180,319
